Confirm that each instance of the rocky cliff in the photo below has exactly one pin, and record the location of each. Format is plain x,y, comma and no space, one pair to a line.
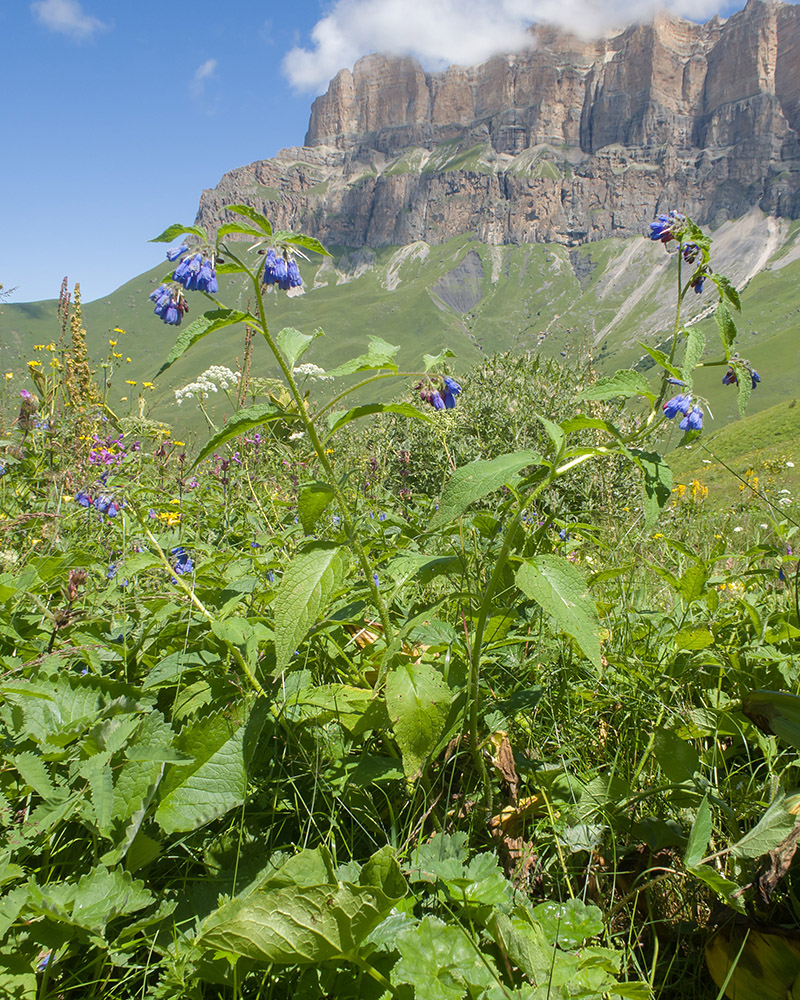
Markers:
567,141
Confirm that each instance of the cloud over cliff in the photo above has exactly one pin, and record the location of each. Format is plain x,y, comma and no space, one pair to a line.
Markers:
441,32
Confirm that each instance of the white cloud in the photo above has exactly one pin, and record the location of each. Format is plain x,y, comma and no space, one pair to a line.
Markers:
203,72
442,32
67,17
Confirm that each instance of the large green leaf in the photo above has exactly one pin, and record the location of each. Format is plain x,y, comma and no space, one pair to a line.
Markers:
312,576
558,587
726,328
476,480
656,484
248,419
379,355
418,701
623,383
209,322
217,780
699,835
441,962
293,344
774,826
175,230
695,348
338,418
250,213
299,240
311,504
292,922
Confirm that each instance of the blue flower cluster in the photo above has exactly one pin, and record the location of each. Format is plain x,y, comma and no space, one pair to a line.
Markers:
443,397
666,226
181,560
691,412
197,274
170,303
102,503
281,271
731,378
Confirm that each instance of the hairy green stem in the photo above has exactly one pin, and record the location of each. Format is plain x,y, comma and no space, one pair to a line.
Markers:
324,461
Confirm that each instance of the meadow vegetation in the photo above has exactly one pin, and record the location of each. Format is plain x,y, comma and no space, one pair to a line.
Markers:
459,691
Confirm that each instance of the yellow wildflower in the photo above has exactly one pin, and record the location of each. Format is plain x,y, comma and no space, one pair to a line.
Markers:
34,364
38,347
113,343
116,355
179,444
148,385
127,360
117,330
129,382
9,374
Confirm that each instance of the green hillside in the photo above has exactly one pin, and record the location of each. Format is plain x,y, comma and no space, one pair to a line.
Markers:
595,301
760,454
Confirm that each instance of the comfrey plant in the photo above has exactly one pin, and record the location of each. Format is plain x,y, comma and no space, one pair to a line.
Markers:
523,569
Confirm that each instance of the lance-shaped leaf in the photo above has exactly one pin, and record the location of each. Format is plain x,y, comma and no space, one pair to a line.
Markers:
559,589
192,795
624,383
418,701
727,290
294,344
176,229
726,327
699,836
745,388
339,418
295,923
239,228
299,240
260,220
313,575
378,356
210,322
311,503
430,360
248,419
695,348
657,483
478,479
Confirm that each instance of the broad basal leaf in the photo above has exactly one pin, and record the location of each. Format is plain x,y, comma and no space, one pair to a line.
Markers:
418,701
217,781
296,924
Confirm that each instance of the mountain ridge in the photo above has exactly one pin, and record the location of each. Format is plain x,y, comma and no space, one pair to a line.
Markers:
567,142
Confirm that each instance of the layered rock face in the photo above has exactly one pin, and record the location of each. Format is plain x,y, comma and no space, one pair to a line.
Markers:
567,141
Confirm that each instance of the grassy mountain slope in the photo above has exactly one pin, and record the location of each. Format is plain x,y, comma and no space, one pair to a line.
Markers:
598,300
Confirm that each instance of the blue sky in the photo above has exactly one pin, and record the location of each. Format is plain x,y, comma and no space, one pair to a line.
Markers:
117,115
